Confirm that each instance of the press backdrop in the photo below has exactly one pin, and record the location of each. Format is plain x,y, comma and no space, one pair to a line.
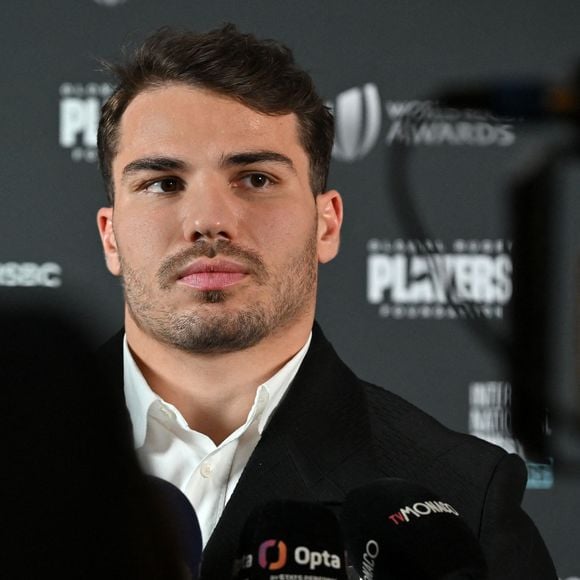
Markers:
420,298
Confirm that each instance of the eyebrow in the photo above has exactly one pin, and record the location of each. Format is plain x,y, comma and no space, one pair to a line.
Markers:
154,164
176,164
249,157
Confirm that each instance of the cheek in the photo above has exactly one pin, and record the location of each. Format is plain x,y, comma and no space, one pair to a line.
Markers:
141,238
283,233
270,227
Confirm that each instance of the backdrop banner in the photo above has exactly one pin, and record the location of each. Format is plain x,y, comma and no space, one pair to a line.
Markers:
421,297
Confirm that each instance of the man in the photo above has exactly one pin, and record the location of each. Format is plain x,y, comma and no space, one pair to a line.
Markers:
215,150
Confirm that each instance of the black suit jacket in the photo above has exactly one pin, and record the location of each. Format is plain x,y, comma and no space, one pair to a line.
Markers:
333,432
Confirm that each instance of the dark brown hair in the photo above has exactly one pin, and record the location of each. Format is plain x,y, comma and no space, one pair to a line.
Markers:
261,74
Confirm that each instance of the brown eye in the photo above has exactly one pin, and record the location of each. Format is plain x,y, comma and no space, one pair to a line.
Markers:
166,185
258,180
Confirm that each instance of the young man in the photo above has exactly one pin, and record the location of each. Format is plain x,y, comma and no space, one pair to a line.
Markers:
215,150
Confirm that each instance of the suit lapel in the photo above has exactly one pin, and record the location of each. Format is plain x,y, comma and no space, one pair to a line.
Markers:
315,448
110,358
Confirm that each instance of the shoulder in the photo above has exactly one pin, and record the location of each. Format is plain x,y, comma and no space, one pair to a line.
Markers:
110,357
422,445
392,416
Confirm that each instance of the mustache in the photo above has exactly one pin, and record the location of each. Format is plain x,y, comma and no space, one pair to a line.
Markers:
172,265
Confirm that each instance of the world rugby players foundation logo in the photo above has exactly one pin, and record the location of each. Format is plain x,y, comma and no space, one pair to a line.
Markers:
415,279
79,113
357,112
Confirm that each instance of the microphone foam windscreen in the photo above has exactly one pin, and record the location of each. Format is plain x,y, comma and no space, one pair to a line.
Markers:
395,529
284,539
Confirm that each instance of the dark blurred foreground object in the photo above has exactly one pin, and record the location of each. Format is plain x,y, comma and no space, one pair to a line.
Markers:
75,500
399,530
529,99
183,522
545,382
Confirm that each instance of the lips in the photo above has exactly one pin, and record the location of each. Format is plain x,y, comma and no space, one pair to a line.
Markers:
212,274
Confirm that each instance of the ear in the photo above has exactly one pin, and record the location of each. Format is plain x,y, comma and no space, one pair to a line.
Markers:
105,225
329,207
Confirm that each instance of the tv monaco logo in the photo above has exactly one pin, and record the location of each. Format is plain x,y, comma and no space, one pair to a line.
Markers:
371,553
420,509
412,279
361,114
79,113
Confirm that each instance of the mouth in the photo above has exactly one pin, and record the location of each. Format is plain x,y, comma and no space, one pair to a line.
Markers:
212,274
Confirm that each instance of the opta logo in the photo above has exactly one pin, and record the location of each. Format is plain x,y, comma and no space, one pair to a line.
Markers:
357,112
281,556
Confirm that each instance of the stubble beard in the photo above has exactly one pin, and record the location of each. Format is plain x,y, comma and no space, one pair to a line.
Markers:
205,328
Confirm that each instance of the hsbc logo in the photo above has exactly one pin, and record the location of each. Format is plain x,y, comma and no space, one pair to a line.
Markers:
30,274
361,116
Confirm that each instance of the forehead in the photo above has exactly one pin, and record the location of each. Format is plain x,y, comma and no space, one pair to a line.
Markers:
178,119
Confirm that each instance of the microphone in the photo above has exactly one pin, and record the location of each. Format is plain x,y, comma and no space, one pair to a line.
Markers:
181,522
291,539
398,530
527,99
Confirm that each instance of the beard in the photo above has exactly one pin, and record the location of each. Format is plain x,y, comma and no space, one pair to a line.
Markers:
205,328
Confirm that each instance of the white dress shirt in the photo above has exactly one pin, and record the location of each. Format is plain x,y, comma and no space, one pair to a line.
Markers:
205,472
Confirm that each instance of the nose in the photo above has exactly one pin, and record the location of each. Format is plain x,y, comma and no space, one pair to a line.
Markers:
210,211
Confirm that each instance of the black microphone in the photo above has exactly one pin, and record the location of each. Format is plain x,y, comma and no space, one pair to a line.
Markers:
398,530
526,99
181,521
291,539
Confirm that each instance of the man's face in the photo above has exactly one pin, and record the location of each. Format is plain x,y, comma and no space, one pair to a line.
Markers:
215,229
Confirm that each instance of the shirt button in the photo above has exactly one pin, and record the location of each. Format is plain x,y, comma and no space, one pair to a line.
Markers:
166,411
206,469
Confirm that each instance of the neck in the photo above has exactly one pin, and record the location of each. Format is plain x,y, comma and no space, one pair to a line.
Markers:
214,392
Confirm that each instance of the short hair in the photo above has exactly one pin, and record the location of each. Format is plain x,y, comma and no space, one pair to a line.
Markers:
260,74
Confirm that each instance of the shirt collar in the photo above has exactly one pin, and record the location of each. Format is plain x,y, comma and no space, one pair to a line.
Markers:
139,396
